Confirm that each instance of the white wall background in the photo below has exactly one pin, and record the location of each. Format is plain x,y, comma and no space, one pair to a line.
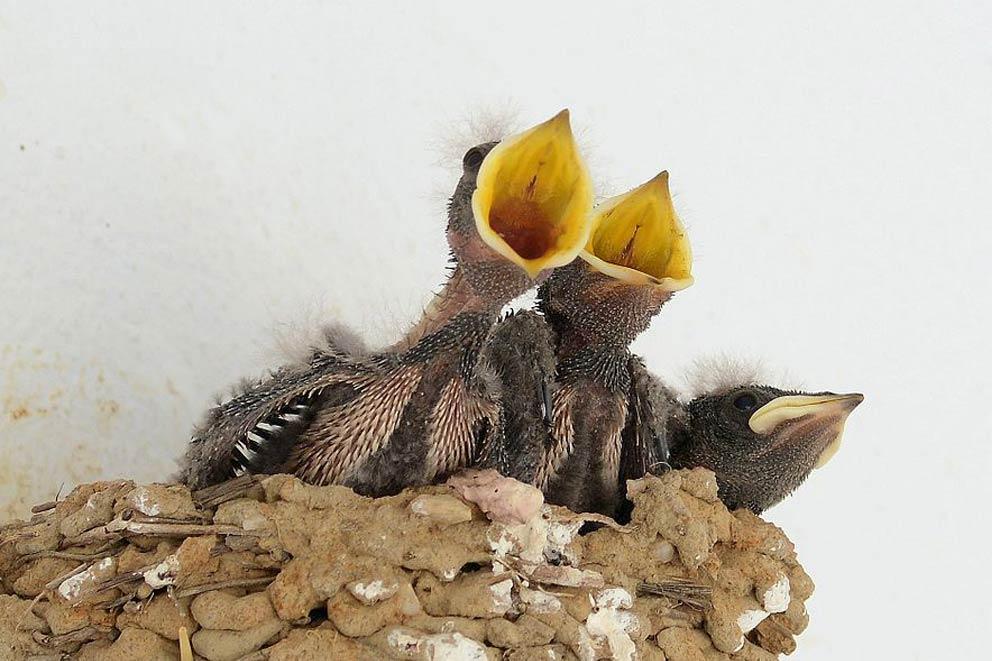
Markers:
180,182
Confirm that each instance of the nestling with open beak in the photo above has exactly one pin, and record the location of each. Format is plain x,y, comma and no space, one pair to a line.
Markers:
420,410
636,258
760,441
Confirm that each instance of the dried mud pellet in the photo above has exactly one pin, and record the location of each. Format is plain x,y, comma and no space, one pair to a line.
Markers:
527,631
223,610
132,644
678,644
225,645
354,619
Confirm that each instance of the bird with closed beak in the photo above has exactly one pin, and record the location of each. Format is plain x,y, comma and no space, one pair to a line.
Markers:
420,409
762,442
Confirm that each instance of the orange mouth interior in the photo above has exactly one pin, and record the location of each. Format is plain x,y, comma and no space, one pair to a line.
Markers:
524,226
533,197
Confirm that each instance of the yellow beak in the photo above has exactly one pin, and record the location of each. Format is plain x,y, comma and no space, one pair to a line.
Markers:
533,196
830,411
638,238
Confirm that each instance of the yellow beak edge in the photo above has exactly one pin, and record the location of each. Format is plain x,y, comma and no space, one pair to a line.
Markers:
638,238
533,197
832,409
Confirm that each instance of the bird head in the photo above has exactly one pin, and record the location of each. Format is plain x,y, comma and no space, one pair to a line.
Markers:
762,442
521,207
636,258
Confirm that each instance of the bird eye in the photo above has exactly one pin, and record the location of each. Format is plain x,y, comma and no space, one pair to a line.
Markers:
473,158
745,402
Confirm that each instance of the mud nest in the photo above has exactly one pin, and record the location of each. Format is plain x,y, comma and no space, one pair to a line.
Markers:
479,568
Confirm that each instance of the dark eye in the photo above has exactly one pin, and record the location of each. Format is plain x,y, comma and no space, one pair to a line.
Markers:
745,402
473,158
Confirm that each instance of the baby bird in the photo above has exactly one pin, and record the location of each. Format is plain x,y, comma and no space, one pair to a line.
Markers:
636,258
421,409
761,442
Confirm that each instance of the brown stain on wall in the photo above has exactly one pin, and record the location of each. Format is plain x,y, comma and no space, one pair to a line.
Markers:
15,409
108,408
18,413
60,420
20,477
34,383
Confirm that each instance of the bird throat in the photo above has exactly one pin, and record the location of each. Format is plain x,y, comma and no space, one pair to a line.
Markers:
456,297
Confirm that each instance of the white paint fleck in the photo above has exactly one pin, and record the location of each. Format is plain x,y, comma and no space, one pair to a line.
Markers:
502,599
749,619
372,591
453,647
536,541
609,621
613,598
163,574
539,601
628,620
449,574
502,545
524,540
586,650
533,539
561,534
776,598
142,501
70,588
606,623
402,641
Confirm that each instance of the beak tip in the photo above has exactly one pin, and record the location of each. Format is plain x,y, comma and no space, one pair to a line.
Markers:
562,121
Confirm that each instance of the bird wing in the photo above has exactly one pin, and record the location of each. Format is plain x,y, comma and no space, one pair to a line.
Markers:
416,415
644,446
562,441
460,421
255,430
521,353
345,434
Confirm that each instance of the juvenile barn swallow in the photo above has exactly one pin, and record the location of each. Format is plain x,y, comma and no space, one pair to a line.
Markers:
420,410
760,441
636,258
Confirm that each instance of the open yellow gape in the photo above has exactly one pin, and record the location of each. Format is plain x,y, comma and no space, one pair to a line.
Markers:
638,238
533,196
